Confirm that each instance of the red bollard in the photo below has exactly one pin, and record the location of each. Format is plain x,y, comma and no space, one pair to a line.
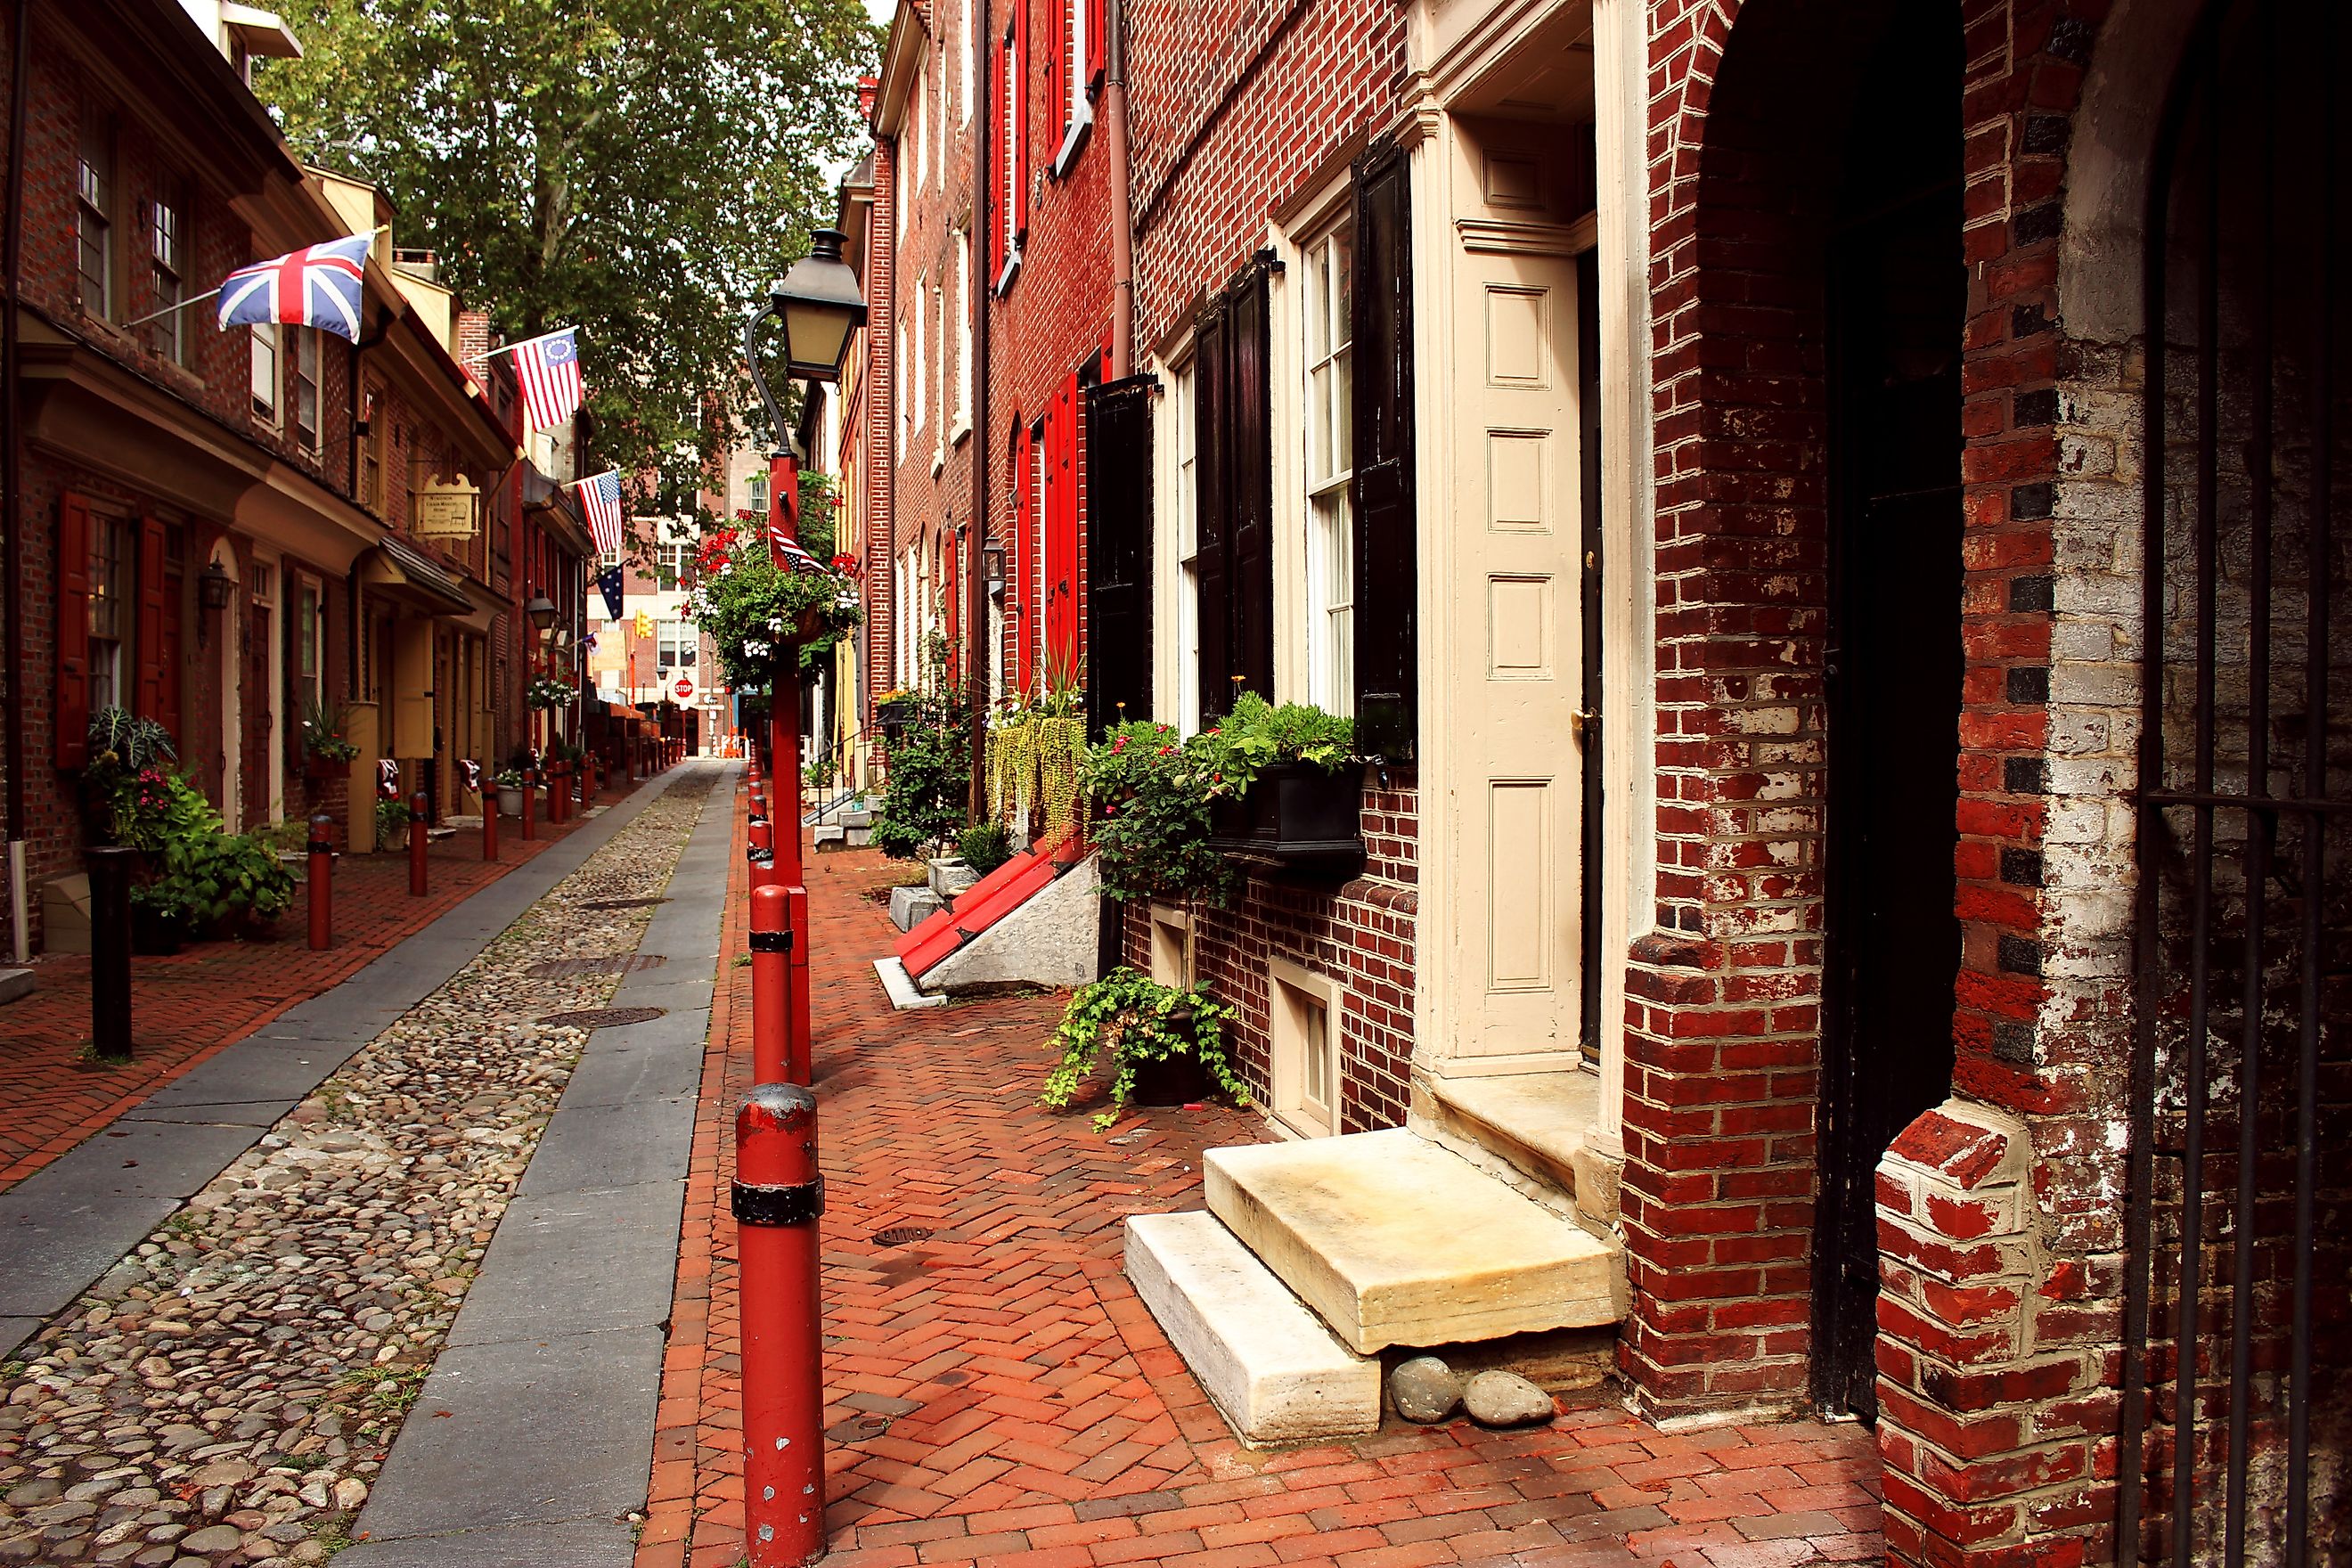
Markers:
417,845
778,1196
799,1065
559,791
529,808
762,854
771,963
322,883
490,822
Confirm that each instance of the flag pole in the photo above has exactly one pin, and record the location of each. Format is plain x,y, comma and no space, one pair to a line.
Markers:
214,293
510,348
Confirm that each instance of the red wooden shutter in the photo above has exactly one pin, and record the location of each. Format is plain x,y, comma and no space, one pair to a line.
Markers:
1057,80
1024,566
1096,43
148,702
1062,531
1020,119
72,739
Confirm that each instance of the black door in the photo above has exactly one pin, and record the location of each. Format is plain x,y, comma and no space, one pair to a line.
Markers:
1896,301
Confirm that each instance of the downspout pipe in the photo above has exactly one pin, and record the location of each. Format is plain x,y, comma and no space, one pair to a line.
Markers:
975,574
1122,202
12,495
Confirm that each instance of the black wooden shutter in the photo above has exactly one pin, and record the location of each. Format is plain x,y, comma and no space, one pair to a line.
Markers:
1250,481
1210,465
1118,550
1387,620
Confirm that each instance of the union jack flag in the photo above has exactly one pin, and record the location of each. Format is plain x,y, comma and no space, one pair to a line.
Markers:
318,286
601,496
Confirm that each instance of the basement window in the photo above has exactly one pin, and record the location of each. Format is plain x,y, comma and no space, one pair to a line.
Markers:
1305,1014
1171,946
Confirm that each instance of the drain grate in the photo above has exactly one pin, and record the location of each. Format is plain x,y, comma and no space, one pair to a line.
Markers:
620,963
900,1235
603,1017
622,903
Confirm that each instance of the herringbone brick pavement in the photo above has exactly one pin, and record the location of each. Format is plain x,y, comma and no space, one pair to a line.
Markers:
997,1393
185,1006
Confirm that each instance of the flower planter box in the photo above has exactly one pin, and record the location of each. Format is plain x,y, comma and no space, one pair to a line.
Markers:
895,715
1294,818
509,802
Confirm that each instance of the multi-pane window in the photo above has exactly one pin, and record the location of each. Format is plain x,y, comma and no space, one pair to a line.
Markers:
109,614
921,391
964,332
307,641
677,643
669,563
1070,75
756,496
939,320
975,16
1185,493
373,410
1009,145
94,216
166,265
306,388
267,336
1330,528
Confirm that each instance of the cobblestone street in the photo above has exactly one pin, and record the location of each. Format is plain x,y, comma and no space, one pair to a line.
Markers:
998,1394
228,1392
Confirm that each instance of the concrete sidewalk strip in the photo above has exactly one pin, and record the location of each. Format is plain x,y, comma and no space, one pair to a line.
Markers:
539,1436
66,1225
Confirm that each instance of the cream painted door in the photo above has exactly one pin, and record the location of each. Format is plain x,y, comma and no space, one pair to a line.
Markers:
1516,658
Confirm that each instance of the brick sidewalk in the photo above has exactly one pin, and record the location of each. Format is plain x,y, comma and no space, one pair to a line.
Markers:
186,1006
998,1393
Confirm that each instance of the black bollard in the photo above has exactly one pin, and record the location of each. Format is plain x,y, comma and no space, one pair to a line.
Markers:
110,952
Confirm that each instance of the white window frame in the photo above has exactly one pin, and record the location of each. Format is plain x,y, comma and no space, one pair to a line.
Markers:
1012,92
167,274
95,194
1177,656
1327,363
1172,953
921,386
1297,1060
269,358
1080,110
917,100
939,379
963,424
975,16
305,386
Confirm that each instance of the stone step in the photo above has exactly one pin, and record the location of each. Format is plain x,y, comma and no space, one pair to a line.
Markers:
1396,1241
911,906
1532,1123
15,983
1270,1366
859,837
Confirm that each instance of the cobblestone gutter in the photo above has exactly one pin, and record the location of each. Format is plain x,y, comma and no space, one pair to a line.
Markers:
226,1393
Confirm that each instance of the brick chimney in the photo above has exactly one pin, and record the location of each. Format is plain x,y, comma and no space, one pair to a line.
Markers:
474,341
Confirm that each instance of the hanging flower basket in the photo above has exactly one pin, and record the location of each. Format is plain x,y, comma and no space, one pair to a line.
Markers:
755,613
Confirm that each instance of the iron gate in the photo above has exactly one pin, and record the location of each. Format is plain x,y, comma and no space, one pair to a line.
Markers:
2238,1172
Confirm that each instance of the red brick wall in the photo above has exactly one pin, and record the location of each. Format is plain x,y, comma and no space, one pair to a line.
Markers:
1361,934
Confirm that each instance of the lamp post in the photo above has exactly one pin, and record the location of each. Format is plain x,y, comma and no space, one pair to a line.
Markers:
820,306
540,613
783,1395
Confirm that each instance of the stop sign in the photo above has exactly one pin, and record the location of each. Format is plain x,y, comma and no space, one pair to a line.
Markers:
685,689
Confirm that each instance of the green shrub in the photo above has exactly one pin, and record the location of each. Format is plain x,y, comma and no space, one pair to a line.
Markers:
1152,819
391,823
928,767
221,878
985,846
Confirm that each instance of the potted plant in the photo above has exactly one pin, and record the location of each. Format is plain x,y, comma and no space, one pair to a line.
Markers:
161,913
1284,788
1035,752
1167,1045
327,749
551,692
508,782
754,612
232,882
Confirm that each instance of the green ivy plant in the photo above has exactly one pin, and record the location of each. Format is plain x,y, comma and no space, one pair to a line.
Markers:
1152,826
1140,1020
1227,757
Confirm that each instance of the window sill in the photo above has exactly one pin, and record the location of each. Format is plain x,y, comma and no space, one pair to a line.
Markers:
1012,270
962,431
1073,141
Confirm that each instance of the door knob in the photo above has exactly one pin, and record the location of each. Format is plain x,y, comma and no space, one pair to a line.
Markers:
1581,725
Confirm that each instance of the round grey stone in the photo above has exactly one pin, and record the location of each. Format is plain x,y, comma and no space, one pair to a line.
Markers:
1506,1399
1424,1390
213,1538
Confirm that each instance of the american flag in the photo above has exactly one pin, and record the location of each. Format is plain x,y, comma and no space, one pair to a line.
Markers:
602,497
796,559
548,367
318,286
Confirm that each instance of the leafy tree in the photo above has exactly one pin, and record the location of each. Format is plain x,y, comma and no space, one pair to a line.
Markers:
640,169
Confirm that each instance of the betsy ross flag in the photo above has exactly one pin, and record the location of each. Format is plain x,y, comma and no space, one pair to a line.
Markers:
601,496
318,286
549,368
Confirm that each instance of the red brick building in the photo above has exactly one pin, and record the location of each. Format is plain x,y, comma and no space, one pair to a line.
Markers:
220,530
1823,514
